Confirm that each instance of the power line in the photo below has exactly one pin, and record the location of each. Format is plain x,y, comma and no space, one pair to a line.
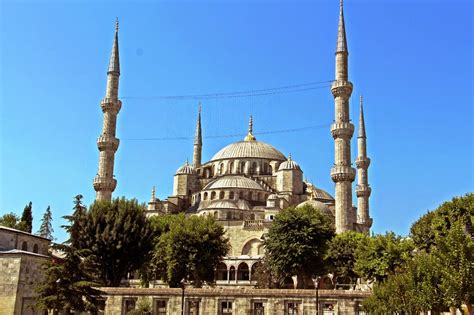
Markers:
236,94
233,135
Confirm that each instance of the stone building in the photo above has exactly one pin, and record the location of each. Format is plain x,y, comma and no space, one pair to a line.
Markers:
21,258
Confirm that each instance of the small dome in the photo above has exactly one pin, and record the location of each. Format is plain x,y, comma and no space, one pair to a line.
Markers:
316,205
233,182
186,169
227,204
289,165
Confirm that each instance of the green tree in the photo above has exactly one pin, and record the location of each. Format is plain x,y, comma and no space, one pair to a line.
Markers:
10,220
117,234
381,255
188,248
26,222
455,255
414,288
68,284
437,223
341,255
297,242
46,228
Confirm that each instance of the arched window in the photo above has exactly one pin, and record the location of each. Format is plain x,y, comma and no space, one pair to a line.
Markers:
213,195
241,216
243,272
250,195
252,216
229,215
241,195
231,195
221,272
270,169
205,196
35,248
231,168
253,169
221,195
24,246
216,215
221,168
242,167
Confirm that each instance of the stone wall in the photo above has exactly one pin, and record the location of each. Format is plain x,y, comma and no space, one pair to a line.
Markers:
238,301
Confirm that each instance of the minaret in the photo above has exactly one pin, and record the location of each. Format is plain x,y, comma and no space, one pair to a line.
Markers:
197,141
104,182
342,129
363,189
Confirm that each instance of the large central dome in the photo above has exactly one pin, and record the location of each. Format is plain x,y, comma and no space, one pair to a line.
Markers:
249,149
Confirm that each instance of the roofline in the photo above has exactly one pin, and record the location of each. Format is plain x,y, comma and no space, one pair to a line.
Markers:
23,232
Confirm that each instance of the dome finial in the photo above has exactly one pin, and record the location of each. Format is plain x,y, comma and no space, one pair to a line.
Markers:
250,136
153,196
289,156
116,24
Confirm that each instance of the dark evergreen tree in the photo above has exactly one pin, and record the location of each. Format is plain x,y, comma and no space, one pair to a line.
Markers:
68,283
46,228
26,222
117,234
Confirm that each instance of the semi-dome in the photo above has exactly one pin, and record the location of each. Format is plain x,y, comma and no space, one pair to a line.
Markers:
228,204
233,182
321,194
316,205
249,149
289,165
186,169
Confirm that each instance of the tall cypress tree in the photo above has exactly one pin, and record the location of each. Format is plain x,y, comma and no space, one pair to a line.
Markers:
46,228
26,223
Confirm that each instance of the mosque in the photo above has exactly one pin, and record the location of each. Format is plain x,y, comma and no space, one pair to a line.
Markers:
245,184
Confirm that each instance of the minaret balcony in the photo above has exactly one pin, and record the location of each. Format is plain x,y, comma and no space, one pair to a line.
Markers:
362,162
102,183
343,130
107,143
111,105
363,190
341,88
341,173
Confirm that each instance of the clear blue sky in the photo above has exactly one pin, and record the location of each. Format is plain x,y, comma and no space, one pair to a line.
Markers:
412,61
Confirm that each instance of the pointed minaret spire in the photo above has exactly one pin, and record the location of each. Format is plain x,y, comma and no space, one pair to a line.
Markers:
363,189
114,64
342,130
361,120
341,32
197,152
250,136
104,182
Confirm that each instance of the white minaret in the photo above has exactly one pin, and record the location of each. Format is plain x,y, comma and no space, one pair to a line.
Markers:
363,189
104,182
197,150
342,130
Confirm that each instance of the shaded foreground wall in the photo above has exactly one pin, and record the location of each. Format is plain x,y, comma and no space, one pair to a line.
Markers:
235,301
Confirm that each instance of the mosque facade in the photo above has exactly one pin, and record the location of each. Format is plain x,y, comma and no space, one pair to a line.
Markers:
247,183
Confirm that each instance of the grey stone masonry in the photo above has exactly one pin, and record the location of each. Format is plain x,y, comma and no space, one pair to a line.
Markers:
105,183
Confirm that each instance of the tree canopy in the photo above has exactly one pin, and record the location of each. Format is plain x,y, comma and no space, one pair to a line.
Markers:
341,254
117,235
297,242
10,220
188,248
